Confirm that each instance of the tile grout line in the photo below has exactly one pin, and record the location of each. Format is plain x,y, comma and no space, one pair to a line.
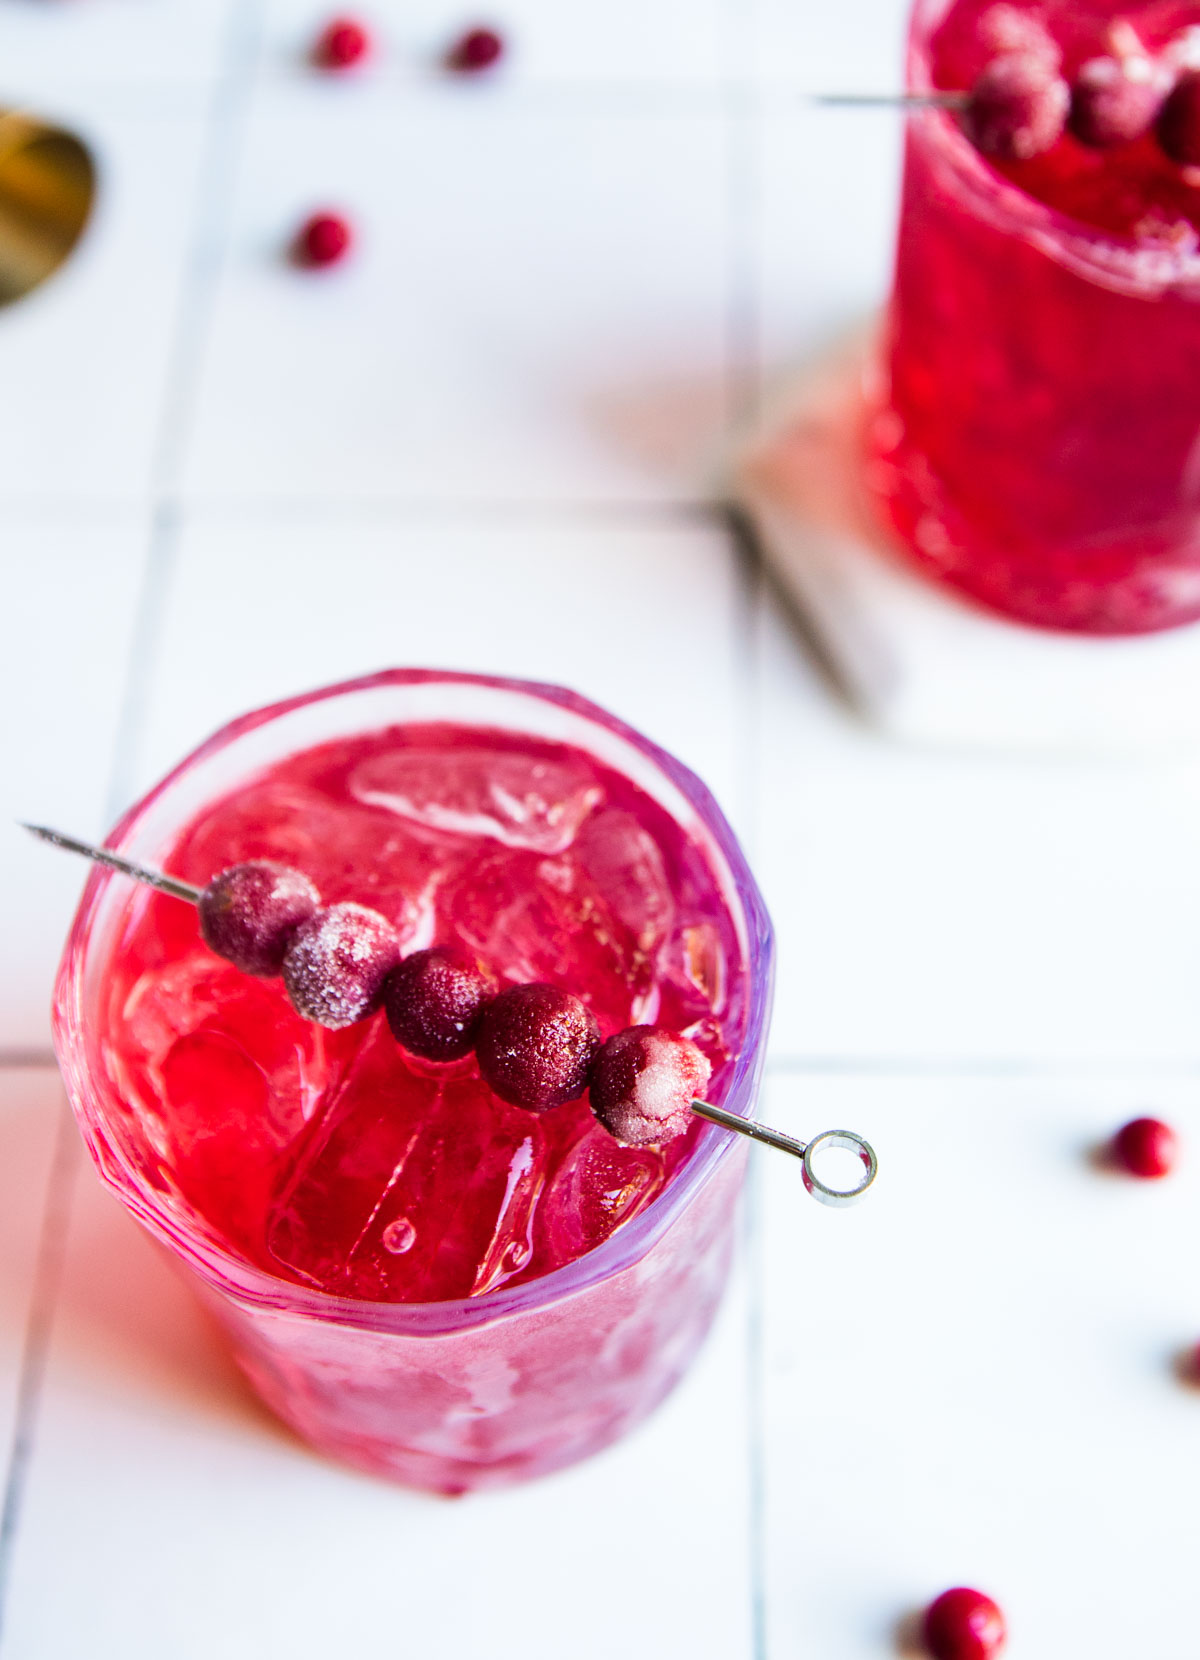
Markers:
51,1256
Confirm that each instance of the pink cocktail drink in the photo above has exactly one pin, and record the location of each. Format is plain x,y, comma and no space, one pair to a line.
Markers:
418,1276
1036,437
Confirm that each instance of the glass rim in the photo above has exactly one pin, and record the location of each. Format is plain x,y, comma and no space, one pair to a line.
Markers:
234,1278
1111,261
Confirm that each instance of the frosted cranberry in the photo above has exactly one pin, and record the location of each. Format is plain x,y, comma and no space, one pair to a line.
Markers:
643,1082
342,43
433,1001
1178,127
1017,108
323,239
964,1625
477,49
1145,1147
249,913
535,1045
1115,100
336,964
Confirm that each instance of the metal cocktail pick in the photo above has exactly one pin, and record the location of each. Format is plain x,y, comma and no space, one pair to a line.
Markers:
805,1151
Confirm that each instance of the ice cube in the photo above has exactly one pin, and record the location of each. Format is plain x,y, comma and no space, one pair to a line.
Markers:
599,1185
413,1185
520,800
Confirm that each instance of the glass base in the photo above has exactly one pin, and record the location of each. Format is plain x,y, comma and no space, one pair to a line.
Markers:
916,658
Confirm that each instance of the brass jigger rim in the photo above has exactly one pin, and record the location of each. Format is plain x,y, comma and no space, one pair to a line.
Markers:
47,192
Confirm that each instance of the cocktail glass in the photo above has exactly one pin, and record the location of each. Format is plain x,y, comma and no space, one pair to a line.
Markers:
1034,434
486,1390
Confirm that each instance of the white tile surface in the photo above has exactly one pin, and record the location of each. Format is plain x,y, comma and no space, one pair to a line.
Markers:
31,1100
106,42
641,617
86,356
971,1378
827,213
828,48
940,904
167,1514
71,592
535,310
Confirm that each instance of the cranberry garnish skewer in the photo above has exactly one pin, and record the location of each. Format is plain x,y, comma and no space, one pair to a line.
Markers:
537,1046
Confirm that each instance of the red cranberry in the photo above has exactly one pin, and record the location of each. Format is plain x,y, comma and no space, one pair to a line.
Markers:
535,1045
964,1625
643,1083
475,50
433,1001
323,239
336,964
1116,100
249,913
342,43
1178,126
1145,1147
1017,108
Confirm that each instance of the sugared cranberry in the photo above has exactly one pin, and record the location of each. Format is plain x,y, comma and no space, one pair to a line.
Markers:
643,1082
249,913
475,50
1017,108
964,1625
336,964
1178,126
1116,100
433,1001
1145,1147
342,43
535,1045
323,239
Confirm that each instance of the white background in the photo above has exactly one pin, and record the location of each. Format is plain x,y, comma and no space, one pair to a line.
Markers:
493,441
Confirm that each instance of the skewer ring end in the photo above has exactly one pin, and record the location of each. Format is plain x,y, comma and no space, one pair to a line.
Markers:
853,1144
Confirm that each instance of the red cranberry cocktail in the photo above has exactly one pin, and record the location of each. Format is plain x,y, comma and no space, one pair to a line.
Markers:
1036,440
425,1266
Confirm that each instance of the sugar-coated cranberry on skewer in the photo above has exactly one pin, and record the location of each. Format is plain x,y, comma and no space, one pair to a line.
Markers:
249,913
963,1624
336,963
643,1083
1017,108
535,1046
1115,100
434,1001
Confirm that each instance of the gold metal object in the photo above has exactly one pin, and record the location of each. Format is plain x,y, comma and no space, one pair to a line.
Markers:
47,186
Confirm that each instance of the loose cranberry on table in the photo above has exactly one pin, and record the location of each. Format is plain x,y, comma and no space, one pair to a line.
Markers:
342,43
535,1046
1178,126
1017,108
476,49
1115,100
1145,1147
643,1083
323,239
434,1001
337,962
963,1624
